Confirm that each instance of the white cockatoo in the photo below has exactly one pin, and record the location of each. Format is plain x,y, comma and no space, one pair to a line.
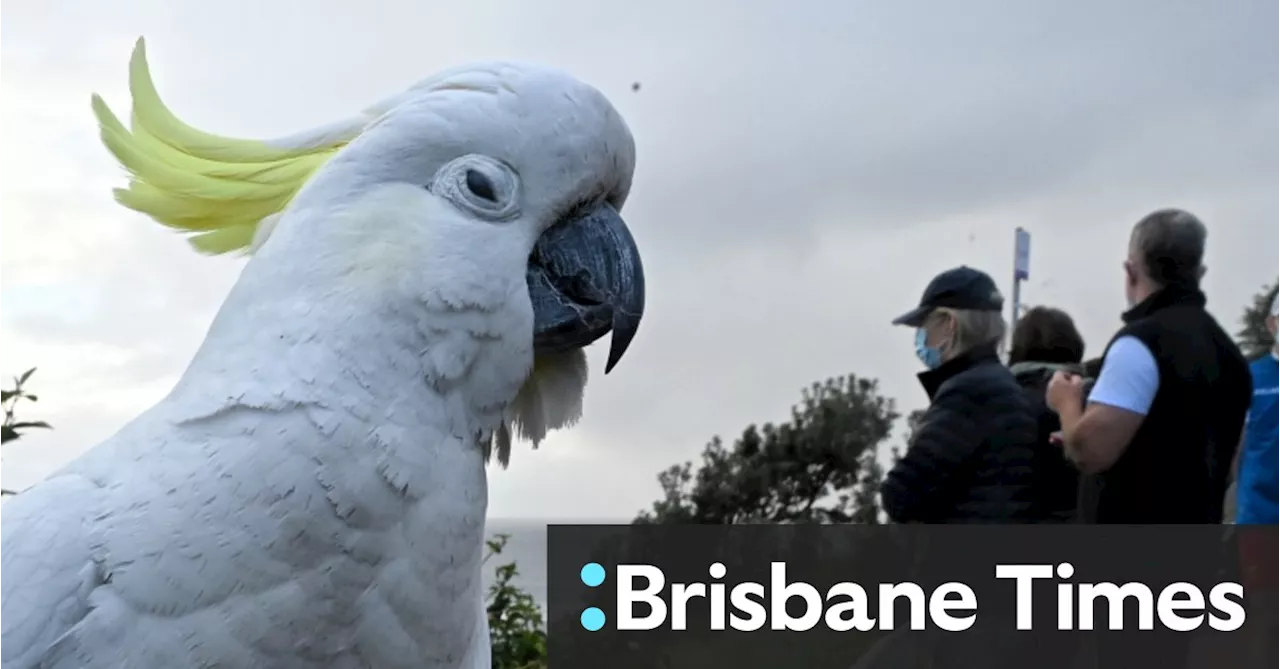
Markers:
312,493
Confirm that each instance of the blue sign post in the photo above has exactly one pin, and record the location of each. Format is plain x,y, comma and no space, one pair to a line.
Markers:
1021,254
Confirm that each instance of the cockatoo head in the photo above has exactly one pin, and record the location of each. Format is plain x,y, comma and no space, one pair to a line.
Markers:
525,162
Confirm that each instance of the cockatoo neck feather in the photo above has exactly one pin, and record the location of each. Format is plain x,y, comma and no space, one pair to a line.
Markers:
371,259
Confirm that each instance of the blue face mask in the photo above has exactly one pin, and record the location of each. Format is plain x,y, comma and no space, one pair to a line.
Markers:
931,357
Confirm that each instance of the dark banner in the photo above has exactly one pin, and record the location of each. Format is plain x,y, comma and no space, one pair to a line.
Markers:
902,596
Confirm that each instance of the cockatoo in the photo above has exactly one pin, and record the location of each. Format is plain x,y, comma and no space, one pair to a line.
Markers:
312,493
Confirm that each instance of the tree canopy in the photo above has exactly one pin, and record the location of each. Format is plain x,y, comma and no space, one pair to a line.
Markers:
1253,337
818,467
12,428
517,632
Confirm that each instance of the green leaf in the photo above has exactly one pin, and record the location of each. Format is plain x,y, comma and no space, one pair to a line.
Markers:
30,424
31,398
8,434
7,395
516,625
26,375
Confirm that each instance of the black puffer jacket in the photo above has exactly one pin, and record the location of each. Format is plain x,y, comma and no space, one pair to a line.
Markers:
971,457
1057,485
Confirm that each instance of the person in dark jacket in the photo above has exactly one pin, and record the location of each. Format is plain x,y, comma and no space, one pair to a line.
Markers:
971,457
1163,420
1045,341
1165,416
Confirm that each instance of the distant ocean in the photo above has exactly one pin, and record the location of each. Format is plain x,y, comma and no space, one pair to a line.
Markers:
527,547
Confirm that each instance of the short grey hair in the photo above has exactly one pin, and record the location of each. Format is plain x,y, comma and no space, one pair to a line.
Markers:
975,329
1170,244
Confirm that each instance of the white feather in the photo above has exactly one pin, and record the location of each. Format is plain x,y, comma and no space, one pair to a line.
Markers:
550,399
312,493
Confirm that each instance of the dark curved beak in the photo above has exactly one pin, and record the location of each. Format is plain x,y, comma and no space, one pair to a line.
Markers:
585,280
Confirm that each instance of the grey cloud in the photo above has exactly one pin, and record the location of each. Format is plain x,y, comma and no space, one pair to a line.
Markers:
895,116
904,114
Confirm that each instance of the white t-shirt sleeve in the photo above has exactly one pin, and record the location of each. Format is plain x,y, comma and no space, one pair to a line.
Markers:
1129,378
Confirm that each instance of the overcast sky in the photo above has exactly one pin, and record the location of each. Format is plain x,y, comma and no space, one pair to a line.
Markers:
803,170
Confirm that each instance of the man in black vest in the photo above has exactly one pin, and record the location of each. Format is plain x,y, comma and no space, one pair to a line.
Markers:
1165,416
1158,434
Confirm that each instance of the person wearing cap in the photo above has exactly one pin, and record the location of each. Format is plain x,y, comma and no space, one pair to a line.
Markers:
971,456
1160,428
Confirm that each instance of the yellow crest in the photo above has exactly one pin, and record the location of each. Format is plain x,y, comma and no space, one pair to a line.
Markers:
217,189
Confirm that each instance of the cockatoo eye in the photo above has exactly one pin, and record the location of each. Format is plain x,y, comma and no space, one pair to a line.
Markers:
481,186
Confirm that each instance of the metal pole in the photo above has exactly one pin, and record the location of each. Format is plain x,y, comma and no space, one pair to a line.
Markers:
1021,260
1017,306
1018,298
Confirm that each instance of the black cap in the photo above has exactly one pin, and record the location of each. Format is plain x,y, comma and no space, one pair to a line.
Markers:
960,288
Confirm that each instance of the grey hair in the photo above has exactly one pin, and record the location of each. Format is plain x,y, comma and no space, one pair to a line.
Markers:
1170,243
975,329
